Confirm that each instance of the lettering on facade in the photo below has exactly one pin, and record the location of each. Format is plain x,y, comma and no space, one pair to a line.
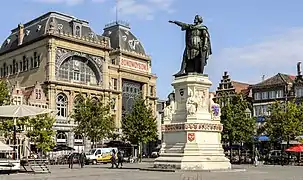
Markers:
133,64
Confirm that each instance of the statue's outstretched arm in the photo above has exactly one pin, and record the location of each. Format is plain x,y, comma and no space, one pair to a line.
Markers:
181,24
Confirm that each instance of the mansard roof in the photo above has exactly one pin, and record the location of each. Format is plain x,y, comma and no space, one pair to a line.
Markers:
55,22
122,38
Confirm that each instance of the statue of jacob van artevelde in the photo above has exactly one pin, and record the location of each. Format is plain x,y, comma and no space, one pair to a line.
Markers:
198,46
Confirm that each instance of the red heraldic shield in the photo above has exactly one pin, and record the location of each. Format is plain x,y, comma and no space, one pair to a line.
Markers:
191,137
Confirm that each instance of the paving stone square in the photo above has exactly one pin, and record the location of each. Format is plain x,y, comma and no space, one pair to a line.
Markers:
131,172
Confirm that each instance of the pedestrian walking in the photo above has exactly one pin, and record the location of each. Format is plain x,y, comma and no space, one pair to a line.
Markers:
120,159
113,159
71,160
256,159
82,159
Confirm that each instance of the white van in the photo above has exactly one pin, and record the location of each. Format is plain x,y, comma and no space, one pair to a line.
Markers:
100,155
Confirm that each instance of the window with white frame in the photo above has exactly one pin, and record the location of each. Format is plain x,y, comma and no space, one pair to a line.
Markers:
257,111
272,94
264,95
279,94
257,96
38,93
299,91
62,105
264,110
17,100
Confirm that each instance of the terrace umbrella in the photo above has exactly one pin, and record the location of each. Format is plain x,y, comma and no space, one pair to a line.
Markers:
18,111
62,148
297,148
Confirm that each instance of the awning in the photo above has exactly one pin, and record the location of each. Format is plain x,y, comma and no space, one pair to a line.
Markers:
17,111
260,119
262,138
5,147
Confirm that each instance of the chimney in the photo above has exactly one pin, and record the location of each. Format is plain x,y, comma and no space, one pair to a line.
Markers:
20,34
299,70
263,77
225,73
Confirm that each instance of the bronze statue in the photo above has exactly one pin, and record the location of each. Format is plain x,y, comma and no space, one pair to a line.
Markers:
198,46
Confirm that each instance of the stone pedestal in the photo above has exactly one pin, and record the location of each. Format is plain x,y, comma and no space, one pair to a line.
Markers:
192,128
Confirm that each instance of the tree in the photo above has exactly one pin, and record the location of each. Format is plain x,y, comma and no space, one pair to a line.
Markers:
93,118
6,125
237,126
4,93
40,131
140,126
285,121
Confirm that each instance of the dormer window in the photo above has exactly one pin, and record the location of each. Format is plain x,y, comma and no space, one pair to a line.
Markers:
39,27
27,32
78,29
8,41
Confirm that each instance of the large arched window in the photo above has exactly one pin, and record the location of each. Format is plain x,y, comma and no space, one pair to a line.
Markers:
78,69
61,105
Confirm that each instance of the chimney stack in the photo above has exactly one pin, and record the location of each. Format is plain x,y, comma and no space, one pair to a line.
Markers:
299,70
20,34
263,77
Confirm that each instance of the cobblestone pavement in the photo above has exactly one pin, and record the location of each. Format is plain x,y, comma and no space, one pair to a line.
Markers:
129,172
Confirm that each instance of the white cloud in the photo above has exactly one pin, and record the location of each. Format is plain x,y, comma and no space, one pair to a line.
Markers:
274,50
278,53
67,2
144,9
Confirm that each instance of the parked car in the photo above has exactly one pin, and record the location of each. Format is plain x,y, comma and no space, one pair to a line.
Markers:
275,157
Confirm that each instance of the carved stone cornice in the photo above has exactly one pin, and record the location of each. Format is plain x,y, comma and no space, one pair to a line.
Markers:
130,53
192,126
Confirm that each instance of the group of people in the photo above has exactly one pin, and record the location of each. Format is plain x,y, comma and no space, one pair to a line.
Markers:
114,157
81,160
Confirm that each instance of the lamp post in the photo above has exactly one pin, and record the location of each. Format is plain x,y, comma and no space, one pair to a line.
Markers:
287,90
15,138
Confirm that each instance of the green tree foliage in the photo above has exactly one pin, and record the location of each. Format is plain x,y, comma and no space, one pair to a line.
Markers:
6,125
4,93
140,126
285,121
40,131
93,118
237,126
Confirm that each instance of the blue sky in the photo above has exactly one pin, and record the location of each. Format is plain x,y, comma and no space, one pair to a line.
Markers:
249,38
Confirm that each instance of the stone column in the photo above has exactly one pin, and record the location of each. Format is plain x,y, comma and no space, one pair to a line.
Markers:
119,110
51,61
70,139
51,96
105,72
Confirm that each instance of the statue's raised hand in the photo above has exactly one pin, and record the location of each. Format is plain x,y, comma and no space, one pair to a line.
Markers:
171,21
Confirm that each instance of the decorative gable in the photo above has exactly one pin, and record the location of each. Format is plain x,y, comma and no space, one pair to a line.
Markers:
37,96
17,95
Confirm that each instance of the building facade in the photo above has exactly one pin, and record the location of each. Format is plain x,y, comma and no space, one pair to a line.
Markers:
229,88
278,87
50,60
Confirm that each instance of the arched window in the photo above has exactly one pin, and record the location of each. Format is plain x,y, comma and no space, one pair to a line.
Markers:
78,139
78,69
61,105
61,137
